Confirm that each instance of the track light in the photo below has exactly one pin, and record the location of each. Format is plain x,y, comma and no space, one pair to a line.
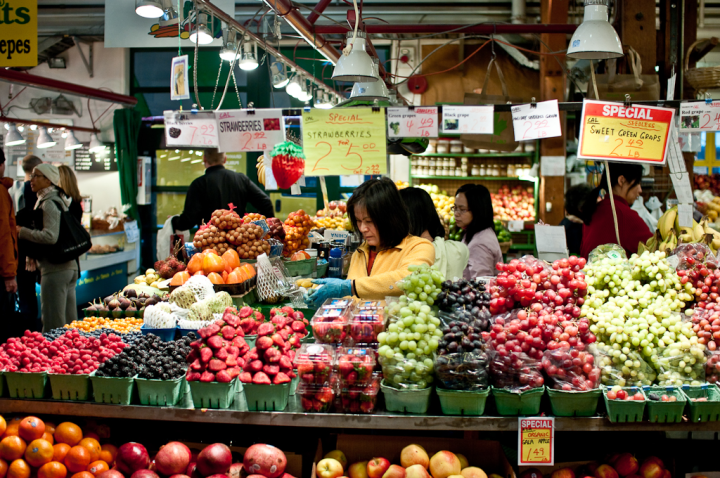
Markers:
149,8
230,45
200,32
14,137
371,91
71,142
279,75
306,94
95,144
249,56
44,139
170,15
357,66
294,87
595,38
322,100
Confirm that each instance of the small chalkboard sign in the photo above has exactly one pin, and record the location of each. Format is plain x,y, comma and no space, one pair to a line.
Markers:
95,162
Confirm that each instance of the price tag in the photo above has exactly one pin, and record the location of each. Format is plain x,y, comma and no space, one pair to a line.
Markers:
132,233
676,162
467,119
609,131
685,215
699,116
347,142
538,121
188,129
249,130
681,184
536,441
412,123
516,226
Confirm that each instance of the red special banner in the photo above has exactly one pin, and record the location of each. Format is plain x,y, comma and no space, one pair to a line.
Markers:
612,132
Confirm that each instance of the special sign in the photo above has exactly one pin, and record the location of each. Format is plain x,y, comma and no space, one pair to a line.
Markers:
536,441
612,132
18,33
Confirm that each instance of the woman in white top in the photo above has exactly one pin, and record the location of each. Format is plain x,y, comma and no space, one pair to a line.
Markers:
451,257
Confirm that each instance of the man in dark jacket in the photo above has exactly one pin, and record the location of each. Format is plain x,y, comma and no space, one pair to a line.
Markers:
217,188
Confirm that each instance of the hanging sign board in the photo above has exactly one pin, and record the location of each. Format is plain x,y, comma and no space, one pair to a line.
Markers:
18,33
346,142
611,132
536,441
698,116
467,119
249,130
536,121
420,122
191,129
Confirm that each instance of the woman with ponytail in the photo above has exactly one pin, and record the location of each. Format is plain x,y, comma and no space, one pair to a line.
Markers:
597,215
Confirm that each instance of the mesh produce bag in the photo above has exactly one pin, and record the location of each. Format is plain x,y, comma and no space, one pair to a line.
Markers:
463,371
268,284
159,317
200,286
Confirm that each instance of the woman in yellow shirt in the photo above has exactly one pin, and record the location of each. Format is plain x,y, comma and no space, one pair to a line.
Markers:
377,211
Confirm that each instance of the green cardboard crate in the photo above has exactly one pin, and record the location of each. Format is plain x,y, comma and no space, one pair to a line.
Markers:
70,387
462,402
523,403
406,401
213,394
267,398
665,412
571,403
703,411
3,386
26,385
118,391
623,411
163,393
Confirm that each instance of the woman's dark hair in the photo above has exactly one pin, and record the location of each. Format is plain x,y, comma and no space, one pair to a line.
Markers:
422,213
383,203
479,203
574,196
632,174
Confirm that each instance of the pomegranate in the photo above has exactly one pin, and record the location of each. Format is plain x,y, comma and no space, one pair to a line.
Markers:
179,475
192,470
110,474
173,458
265,460
235,470
144,474
215,458
132,457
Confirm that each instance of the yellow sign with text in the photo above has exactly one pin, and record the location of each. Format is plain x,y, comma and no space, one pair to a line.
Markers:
536,441
339,143
18,33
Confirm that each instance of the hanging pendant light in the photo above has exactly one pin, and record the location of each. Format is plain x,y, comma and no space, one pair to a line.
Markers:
200,32
279,75
294,87
149,8
376,90
14,137
95,144
322,100
595,38
249,57
71,142
170,15
44,139
230,45
357,66
307,92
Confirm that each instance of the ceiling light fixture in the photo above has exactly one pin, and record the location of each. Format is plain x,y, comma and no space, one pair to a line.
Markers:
44,139
376,90
280,77
294,87
95,144
170,15
149,8
322,100
230,45
356,66
14,137
71,142
306,94
595,38
200,32
249,57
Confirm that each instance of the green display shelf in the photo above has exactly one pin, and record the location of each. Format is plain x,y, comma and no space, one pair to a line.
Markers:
477,155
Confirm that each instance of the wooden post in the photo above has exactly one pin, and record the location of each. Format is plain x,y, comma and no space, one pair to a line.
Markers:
552,86
638,31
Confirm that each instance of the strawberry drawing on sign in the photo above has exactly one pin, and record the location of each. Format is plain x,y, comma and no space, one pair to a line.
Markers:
288,164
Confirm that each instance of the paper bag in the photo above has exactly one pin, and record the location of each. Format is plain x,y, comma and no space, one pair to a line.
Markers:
614,87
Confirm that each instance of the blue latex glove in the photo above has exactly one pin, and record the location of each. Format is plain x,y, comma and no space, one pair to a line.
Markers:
331,288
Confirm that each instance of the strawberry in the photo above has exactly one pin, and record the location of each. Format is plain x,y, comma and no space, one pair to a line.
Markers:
196,365
233,371
253,354
272,355
228,332
259,317
306,403
285,362
192,356
281,378
247,325
297,326
286,346
277,339
286,309
240,362
215,342
263,343
261,379
234,351
231,319
271,370
231,361
284,333
222,354
207,377
245,312
216,365
206,354
297,315
325,395
205,332
291,355
213,329
193,376
291,374
278,320
274,311
304,366
318,406
245,377
265,329
223,376
256,365
239,342
367,407
196,344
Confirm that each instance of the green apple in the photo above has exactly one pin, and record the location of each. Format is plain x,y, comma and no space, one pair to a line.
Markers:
339,456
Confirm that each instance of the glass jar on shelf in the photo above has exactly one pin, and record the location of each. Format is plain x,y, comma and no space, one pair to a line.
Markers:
463,161
495,170
431,171
459,172
475,171
468,150
432,146
456,146
480,170
443,146
432,162
511,170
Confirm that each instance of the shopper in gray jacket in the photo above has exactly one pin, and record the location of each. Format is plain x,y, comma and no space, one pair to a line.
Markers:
57,286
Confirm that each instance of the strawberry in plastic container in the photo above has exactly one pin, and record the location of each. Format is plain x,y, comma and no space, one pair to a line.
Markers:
355,365
314,363
360,398
315,397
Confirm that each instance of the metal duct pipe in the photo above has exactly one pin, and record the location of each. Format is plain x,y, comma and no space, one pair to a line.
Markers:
518,11
563,28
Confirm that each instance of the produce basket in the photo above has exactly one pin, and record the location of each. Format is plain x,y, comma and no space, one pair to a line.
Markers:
571,403
166,335
622,411
26,385
708,411
118,391
250,340
406,401
523,403
665,412
301,268
267,398
293,384
462,402
505,246
163,393
3,386
70,387
213,394
701,79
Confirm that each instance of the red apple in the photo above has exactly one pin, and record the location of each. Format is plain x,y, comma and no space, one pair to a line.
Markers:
626,464
113,473
394,471
650,469
132,457
173,458
607,471
377,467
563,473
329,468
654,459
443,464
414,455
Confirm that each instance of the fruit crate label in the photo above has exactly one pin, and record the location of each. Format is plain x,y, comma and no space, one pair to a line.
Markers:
536,121
191,129
698,116
612,132
338,143
467,119
536,441
250,130
421,122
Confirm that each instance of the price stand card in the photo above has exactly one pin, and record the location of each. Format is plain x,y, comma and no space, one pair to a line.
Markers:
191,129
421,122
611,132
698,116
538,121
467,119
250,130
536,441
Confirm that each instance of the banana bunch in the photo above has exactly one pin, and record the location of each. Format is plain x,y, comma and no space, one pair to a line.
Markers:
712,237
669,223
669,243
261,169
666,223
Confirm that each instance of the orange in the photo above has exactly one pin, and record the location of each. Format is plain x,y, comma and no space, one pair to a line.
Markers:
91,435
15,419
69,433
93,446
31,428
77,459
53,469
59,451
18,469
48,437
50,427
3,468
3,425
13,429
39,452
107,454
12,448
97,467
82,474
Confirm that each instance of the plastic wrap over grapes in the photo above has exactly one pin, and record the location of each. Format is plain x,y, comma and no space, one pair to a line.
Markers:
712,367
692,255
514,371
622,366
410,372
607,251
568,369
470,295
681,363
463,371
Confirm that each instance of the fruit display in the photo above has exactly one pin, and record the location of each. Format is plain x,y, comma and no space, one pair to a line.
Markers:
227,231
314,363
121,326
707,203
276,228
127,303
568,368
670,234
360,398
316,397
366,323
151,278
502,232
355,365
250,320
168,267
225,269
443,203
297,227
331,322
465,294
461,362
149,358
334,209
516,203
706,182
337,223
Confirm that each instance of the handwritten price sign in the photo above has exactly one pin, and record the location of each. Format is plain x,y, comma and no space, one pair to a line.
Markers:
412,123
346,142
699,116
538,121
536,441
609,131
467,119
250,130
186,129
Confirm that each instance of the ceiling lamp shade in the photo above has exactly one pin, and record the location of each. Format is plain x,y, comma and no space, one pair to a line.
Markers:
170,15
280,77
230,45
294,87
357,66
376,90
95,144
200,33
71,142
249,57
14,137
149,8
595,38
44,139
322,100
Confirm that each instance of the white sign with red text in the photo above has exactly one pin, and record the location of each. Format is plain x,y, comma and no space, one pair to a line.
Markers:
536,121
420,122
191,129
249,130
